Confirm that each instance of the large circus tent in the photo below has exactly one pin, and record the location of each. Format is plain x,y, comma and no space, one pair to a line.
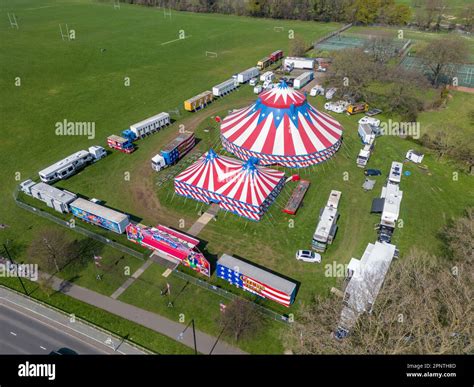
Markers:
282,128
244,188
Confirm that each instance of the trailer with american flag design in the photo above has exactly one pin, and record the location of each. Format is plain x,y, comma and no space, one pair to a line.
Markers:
256,280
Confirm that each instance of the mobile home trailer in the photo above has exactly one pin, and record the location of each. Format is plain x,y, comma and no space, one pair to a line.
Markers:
224,87
391,208
275,56
150,125
247,75
66,167
327,227
55,198
395,172
199,101
366,134
99,215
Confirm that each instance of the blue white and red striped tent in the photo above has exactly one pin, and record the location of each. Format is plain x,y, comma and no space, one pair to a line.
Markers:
282,128
244,188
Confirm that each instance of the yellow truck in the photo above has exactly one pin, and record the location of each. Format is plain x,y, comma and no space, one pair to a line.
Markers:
264,63
355,108
199,101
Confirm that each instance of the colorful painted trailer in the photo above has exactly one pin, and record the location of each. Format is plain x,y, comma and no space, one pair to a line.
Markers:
199,101
170,243
124,145
256,280
172,152
99,215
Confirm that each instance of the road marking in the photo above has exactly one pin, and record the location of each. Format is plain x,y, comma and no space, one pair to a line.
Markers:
43,348
57,322
13,333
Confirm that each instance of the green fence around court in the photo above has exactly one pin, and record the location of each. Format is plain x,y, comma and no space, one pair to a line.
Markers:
464,72
344,41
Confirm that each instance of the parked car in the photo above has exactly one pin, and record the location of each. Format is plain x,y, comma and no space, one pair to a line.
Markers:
372,172
253,82
308,256
373,112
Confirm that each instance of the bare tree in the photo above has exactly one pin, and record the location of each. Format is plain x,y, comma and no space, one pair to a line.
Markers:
459,237
424,307
50,250
240,319
441,56
380,47
298,46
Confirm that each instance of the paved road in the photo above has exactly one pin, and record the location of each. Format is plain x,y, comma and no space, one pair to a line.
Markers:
24,334
29,327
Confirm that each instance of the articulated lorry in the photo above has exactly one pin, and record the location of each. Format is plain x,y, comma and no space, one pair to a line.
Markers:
172,152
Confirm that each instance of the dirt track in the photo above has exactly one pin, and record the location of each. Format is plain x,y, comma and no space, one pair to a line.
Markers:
143,193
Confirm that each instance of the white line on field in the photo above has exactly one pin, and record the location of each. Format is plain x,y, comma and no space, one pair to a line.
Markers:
175,40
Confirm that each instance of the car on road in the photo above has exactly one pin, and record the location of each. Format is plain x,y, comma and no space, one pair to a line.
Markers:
372,172
308,256
64,351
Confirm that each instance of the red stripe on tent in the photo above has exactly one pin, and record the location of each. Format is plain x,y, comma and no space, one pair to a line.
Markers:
289,147
244,127
270,140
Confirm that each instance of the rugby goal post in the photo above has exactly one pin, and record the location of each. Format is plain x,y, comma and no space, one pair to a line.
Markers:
278,29
12,20
211,54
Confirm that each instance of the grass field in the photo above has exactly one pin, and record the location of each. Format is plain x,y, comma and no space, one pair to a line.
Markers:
79,82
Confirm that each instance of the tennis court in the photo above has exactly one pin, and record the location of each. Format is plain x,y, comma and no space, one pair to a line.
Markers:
464,73
344,41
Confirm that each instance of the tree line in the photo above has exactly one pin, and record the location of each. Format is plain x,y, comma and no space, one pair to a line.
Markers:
345,11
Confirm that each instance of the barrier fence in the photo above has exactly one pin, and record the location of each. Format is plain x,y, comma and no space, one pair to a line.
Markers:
230,296
79,229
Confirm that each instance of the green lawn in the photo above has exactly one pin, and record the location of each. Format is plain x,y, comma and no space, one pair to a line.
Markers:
77,81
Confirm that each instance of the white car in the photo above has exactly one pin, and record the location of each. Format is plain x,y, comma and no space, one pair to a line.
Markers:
253,82
369,120
308,256
258,89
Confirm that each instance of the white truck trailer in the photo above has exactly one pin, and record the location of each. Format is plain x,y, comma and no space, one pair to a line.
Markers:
247,75
299,63
150,125
303,80
224,87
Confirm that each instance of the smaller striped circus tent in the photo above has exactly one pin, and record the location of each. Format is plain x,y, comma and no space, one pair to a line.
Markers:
244,188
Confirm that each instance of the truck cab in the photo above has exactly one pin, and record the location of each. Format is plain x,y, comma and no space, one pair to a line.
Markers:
158,163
